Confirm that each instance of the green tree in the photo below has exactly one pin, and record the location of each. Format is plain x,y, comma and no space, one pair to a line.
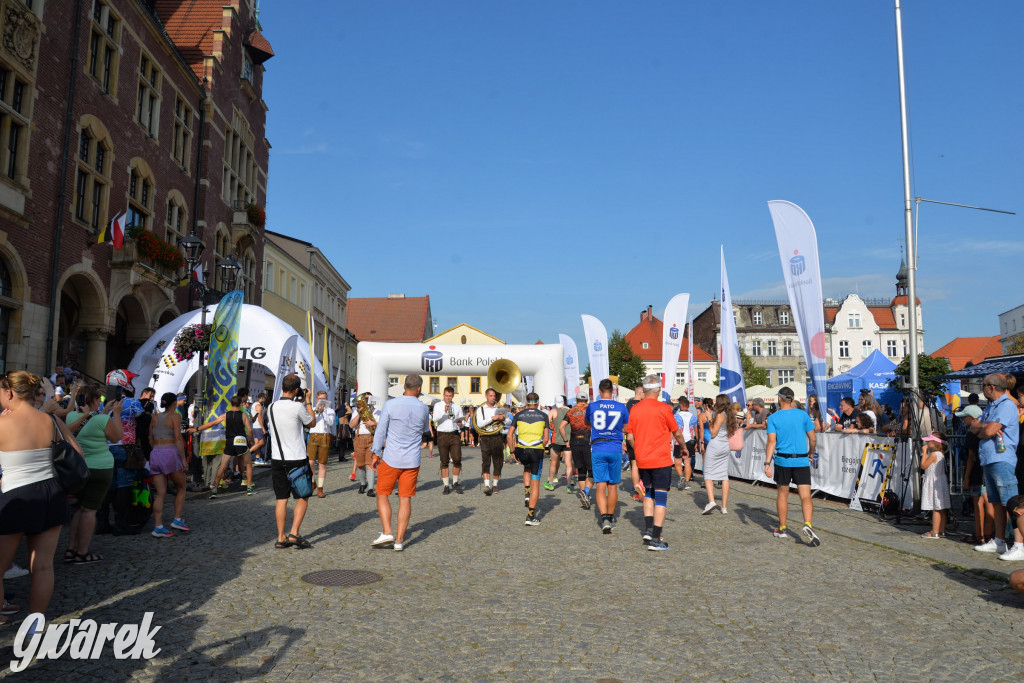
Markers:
751,373
927,367
622,362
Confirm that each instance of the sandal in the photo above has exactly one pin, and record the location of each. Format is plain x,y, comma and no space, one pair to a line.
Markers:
88,558
281,545
929,534
299,541
70,555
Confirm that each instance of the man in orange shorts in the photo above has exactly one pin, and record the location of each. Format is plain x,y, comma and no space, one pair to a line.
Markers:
401,425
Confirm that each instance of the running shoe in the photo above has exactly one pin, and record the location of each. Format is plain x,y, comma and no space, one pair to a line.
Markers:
1014,554
399,546
8,609
994,545
249,490
532,521
657,544
179,523
15,571
352,477
648,535
779,533
679,486
223,485
809,536
687,487
458,488
447,490
584,499
549,486
162,532
213,493
568,489
606,526
382,540
725,511
709,508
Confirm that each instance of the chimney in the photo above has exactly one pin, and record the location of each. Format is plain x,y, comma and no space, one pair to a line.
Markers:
649,309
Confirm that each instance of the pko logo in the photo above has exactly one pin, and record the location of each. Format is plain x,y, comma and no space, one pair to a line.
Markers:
568,360
673,332
432,360
797,265
597,345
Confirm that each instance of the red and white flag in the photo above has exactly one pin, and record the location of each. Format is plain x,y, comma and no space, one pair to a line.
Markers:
197,273
117,231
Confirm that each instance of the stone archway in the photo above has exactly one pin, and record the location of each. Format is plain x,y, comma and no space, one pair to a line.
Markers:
131,329
82,325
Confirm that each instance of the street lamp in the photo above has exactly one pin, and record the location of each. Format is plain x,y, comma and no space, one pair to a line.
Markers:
228,268
193,249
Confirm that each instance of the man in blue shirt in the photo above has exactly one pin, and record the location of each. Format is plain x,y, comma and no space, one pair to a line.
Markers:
398,437
791,440
998,431
607,419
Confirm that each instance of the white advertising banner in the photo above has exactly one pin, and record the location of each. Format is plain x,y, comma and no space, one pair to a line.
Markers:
571,367
672,337
597,348
833,467
730,380
798,250
689,366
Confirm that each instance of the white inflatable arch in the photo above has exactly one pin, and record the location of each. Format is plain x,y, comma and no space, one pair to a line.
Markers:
377,360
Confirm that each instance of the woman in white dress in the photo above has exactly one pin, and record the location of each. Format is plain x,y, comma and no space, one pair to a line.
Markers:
717,453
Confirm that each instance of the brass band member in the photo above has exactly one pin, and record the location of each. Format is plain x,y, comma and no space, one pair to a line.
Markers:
492,446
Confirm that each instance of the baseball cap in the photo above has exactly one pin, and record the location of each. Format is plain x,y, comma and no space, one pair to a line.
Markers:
786,392
932,437
559,401
969,411
582,396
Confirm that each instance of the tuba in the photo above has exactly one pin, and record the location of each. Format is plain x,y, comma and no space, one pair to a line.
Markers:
504,377
365,413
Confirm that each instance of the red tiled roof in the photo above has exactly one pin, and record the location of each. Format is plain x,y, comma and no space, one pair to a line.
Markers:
190,24
387,319
903,301
650,330
259,45
962,350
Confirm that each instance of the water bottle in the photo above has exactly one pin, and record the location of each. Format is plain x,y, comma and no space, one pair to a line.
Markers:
1000,446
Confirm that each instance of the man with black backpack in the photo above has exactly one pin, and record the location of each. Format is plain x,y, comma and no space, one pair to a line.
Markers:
289,467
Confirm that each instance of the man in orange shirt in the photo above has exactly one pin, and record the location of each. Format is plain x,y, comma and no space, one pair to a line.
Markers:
651,424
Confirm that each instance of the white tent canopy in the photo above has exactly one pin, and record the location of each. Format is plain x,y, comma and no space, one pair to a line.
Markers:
262,338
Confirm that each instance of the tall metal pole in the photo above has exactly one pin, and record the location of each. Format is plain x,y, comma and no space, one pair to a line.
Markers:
908,209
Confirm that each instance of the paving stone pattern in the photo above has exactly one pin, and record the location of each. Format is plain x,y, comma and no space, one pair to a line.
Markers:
476,595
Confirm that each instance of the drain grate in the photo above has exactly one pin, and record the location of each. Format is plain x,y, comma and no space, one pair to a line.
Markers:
341,577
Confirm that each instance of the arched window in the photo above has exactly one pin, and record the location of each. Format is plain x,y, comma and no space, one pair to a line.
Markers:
92,178
176,221
141,190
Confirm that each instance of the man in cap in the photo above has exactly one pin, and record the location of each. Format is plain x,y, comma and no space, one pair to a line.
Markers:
579,445
651,423
791,441
528,436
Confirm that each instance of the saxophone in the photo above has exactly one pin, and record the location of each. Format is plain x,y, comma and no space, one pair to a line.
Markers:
365,413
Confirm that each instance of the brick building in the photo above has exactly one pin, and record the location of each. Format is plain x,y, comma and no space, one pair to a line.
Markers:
645,339
147,108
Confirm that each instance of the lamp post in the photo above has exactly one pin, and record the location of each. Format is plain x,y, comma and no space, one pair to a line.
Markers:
229,269
193,249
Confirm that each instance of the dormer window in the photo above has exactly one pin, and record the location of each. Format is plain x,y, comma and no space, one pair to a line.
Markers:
644,345
757,318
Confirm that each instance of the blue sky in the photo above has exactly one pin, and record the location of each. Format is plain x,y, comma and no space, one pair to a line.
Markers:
525,162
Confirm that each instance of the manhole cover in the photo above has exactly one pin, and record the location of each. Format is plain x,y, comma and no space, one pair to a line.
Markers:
341,577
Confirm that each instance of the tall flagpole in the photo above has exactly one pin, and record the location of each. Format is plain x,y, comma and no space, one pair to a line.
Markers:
908,209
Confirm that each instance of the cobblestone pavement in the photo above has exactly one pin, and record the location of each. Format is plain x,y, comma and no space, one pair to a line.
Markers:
476,595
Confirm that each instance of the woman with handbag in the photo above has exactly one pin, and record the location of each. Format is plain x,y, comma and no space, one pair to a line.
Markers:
33,503
93,430
716,454
167,461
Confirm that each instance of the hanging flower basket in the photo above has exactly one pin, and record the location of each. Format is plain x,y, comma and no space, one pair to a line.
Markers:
191,339
256,215
155,250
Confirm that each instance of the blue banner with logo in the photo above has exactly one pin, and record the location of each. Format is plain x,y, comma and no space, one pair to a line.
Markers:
798,250
730,367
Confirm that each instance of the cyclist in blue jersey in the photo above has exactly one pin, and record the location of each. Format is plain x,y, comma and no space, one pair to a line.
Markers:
607,418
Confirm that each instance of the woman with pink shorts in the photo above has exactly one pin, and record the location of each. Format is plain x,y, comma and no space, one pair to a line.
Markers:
167,460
